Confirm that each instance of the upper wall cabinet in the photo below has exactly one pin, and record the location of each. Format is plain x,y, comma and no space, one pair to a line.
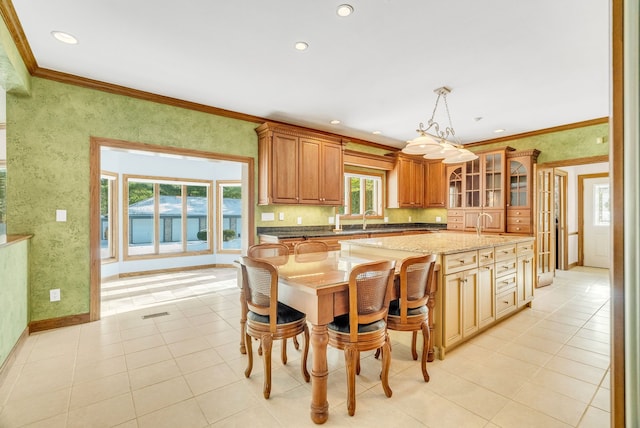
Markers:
405,182
435,189
299,166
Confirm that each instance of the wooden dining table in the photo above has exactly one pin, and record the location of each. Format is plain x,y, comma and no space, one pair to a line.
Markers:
317,284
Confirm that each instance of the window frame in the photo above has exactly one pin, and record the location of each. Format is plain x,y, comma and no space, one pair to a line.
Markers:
220,218
157,181
113,223
362,174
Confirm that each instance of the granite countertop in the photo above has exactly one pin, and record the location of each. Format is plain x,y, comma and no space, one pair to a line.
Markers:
327,231
438,243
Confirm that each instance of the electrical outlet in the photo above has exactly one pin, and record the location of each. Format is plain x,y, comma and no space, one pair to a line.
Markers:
280,216
54,295
438,219
409,219
386,219
299,220
331,220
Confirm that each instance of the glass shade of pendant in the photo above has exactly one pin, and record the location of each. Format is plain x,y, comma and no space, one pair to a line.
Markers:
462,156
446,151
422,145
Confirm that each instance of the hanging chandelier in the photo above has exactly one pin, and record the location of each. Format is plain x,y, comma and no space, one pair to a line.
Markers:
439,144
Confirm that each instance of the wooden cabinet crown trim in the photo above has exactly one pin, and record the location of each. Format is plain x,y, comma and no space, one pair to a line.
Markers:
297,132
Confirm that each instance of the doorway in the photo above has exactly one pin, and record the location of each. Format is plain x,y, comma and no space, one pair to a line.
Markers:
218,253
595,220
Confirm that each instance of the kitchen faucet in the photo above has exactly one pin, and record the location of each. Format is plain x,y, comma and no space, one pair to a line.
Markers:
364,218
478,226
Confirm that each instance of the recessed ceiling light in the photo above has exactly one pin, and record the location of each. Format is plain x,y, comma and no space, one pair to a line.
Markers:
344,10
302,46
64,37
497,131
377,132
335,122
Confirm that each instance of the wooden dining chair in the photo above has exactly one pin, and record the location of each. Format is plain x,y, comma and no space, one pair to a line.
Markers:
268,319
277,254
364,328
310,251
410,312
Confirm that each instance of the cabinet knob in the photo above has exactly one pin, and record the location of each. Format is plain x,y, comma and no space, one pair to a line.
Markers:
527,261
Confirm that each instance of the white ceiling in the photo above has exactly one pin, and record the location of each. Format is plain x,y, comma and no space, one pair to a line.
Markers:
520,65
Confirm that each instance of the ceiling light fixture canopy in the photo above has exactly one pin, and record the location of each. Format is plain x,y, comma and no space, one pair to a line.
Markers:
438,144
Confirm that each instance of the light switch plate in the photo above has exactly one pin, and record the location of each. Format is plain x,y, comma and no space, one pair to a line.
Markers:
438,219
61,215
268,217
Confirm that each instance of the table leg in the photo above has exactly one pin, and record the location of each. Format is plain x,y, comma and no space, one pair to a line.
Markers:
319,374
243,321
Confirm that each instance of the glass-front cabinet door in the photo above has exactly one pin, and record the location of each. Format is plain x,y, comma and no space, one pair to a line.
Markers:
455,188
518,184
493,181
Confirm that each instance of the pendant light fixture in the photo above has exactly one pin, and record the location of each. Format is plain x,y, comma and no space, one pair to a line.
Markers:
439,144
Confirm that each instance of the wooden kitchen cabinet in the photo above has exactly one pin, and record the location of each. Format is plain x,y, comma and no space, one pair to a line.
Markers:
525,274
520,191
405,182
498,183
486,288
476,187
461,297
435,189
299,166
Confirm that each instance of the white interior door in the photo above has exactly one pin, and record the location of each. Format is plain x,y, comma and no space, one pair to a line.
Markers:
597,222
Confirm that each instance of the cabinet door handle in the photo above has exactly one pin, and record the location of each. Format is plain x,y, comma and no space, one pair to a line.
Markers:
527,261
505,301
487,267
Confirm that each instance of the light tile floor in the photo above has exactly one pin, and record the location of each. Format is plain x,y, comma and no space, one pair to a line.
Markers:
547,366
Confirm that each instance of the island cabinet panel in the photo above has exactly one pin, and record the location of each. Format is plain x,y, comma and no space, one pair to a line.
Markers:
525,277
299,166
461,306
405,183
486,287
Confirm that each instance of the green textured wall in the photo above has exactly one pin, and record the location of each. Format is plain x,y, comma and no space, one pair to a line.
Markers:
562,145
48,168
13,295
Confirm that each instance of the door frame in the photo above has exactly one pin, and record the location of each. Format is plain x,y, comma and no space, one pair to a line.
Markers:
96,144
562,243
581,179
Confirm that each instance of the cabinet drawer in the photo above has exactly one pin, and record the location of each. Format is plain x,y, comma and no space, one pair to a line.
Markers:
506,282
505,303
455,213
455,219
505,252
524,248
486,256
525,212
455,226
519,228
506,267
461,261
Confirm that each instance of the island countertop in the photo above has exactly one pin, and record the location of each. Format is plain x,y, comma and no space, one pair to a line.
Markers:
436,242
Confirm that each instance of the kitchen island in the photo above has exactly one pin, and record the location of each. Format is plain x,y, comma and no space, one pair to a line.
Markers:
482,279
